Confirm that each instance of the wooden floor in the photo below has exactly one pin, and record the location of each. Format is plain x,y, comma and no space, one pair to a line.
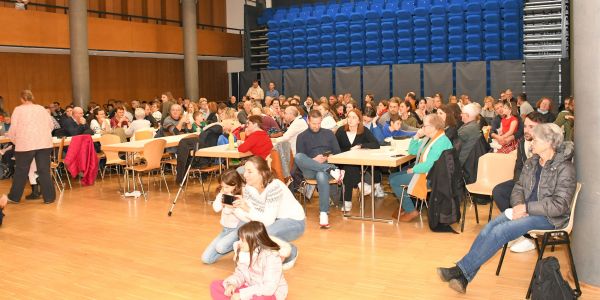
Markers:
93,244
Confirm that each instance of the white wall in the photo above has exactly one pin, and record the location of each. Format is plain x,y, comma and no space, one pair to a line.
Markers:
235,19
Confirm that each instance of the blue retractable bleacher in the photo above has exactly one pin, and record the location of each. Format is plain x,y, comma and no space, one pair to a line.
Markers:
491,30
456,30
274,36
300,36
512,32
421,30
387,13
404,32
439,31
328,35
342,35
474,30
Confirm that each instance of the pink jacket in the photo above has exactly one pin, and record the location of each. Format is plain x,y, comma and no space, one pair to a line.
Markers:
30,128
264,278
81,156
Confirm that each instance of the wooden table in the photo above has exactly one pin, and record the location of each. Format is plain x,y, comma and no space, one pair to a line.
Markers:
222,151
55,140
130,148
382,157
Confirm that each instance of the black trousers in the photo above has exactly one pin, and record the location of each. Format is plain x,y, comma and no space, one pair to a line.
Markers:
501,194
23,162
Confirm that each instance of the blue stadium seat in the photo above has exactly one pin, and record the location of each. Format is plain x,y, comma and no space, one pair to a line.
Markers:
346,10
291,15
279,15
390,9
303,15
316,16
360,10
330,13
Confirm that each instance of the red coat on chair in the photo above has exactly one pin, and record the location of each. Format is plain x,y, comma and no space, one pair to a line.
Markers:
81,157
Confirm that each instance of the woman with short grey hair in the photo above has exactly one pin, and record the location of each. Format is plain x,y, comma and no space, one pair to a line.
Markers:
540,200
140,122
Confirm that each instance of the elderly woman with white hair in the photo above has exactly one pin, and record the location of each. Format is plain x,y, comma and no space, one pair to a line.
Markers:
540,200
140,123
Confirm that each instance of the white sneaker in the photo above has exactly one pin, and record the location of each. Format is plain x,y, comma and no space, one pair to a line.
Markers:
324,220
347,207
367,190
337,174
522,245
290,264
379,191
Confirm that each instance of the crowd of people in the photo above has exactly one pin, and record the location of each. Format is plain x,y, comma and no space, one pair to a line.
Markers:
262,215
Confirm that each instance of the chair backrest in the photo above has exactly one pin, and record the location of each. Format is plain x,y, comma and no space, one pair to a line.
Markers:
153,151
61,147
495,168
569,226
108,139
143,134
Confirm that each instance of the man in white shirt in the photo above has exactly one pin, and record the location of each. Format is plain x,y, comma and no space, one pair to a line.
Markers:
296,126
255,92
524,107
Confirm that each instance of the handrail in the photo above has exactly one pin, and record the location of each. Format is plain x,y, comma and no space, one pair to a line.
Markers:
131,17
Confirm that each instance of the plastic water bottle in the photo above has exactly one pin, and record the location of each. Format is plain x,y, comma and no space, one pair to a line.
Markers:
231,144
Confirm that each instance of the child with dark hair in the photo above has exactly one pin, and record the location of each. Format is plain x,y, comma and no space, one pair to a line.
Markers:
231,184
259,273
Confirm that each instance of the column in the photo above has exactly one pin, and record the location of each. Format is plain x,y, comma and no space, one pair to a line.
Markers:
80,64
190,49
586,241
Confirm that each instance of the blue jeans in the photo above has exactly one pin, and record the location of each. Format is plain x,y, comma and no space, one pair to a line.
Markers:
311,169
396,180
288,230
493,236
220,246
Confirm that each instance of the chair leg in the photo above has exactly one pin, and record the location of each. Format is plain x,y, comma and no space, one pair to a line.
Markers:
162,173
476,211
142,186
464,216
56,181
400,207
577,290
540,255
491,209
68,178
59,178
501,259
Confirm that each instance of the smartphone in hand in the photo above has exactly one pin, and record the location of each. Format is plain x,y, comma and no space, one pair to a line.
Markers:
228,199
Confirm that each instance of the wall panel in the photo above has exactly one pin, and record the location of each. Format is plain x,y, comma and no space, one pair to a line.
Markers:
122,78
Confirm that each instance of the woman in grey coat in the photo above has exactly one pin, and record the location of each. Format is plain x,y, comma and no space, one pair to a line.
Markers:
541,200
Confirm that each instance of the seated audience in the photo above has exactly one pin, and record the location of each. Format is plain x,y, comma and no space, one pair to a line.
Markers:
427,144
469,133
100,124
501,192
566,119
420,112
257,140
544,107
176,123
232,103
244,113
296,126
541,200
505,136
352,136
327,120
394,129
148,115
156,113
382,108
119,120
488,112
370,122
268,124
450,128
524,107
76,124
313,146
407,117
212,113
139,123
393,107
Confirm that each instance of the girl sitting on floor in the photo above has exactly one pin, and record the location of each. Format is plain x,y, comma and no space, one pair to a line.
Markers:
259,273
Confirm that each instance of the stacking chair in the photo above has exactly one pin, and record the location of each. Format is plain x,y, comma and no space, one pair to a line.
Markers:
153,151
143,134
493,169
552,238
306,182
54,166
112,157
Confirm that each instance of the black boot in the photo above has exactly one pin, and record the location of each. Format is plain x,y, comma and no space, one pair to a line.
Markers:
446,274
35,192
459,284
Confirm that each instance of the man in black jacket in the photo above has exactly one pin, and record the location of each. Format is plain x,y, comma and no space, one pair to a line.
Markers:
77,124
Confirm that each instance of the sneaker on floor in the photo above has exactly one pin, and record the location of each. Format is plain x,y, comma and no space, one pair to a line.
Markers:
522,245
367,190
324,220
290,264
347,206
379,193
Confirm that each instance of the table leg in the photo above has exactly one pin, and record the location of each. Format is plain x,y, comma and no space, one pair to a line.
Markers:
362,206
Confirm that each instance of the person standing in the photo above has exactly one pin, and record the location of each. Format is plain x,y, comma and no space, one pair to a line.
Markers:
31,132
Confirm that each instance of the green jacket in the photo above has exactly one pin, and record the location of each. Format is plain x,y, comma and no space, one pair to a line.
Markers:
441,144
567,125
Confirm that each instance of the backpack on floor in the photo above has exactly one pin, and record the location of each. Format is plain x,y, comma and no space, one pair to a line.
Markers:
548,283
5,171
